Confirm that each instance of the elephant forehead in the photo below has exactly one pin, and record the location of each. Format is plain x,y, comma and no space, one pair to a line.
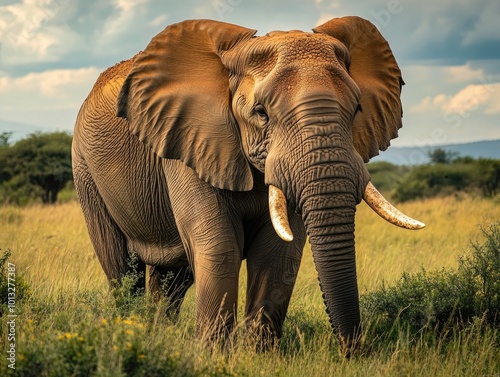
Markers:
293,46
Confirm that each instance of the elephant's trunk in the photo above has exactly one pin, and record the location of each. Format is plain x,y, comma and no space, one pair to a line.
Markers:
324,184
326,193
328,210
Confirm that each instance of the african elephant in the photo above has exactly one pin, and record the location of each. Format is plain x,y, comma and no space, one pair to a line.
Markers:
182,153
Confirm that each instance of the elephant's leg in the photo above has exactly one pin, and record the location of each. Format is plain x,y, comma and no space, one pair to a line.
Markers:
108,240
173,283
213,239
217,272
272,266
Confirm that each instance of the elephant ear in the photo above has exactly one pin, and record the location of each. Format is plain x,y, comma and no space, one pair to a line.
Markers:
375,71
176,99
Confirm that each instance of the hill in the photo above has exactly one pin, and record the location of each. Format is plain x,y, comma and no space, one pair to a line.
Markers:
419,155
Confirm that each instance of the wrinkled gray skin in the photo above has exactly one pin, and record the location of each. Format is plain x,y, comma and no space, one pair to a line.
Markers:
174,150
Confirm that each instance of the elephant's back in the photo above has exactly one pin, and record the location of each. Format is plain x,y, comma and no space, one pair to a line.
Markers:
100,105
97,119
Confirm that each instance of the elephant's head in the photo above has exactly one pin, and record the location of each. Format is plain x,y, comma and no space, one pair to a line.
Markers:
306,109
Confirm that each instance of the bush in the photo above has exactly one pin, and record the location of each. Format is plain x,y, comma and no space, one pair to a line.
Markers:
87,333
483,265
429,301
427,181
465,174
487,176
386,176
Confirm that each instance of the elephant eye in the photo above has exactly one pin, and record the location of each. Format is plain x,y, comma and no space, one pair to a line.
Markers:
261,113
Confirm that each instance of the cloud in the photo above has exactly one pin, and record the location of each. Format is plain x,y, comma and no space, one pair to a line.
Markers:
445,31
129,5
464,73
483,98
54,89
38,32
429,104
486,25
473,98
123,23
159,21
447,49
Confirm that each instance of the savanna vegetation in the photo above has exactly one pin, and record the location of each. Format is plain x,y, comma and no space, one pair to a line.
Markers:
36,168
445,174
430,299
430,302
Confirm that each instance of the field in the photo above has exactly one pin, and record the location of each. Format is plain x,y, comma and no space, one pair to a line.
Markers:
69,325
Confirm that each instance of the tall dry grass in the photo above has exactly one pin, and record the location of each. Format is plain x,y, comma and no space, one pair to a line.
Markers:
51,246
51,249
384,251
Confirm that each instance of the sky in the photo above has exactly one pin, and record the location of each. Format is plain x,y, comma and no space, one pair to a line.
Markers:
52,51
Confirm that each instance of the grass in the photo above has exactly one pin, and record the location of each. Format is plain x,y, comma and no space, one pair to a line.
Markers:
69,325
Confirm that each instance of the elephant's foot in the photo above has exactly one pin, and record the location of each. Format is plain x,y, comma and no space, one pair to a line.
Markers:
261,333
171,284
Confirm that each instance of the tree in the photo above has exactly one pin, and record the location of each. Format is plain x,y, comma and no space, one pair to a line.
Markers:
5,139
441,156
39,165
488,176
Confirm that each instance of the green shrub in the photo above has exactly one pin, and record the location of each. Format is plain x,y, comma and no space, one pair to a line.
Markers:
487,176
427,181
483,266
386,176
87,333
129,292
480,176
97,343
435,301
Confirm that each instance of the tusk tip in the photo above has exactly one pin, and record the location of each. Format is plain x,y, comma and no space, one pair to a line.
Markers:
418,225
387,211
287,237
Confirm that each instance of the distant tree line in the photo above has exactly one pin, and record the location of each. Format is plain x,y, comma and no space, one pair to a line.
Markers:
34,169
445,174
38,168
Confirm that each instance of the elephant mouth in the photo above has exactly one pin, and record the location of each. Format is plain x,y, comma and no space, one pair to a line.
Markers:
377,202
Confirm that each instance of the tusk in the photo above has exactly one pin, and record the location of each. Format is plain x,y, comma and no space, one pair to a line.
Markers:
279,214
387,211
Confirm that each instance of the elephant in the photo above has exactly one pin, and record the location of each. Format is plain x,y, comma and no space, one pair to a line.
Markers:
214,145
